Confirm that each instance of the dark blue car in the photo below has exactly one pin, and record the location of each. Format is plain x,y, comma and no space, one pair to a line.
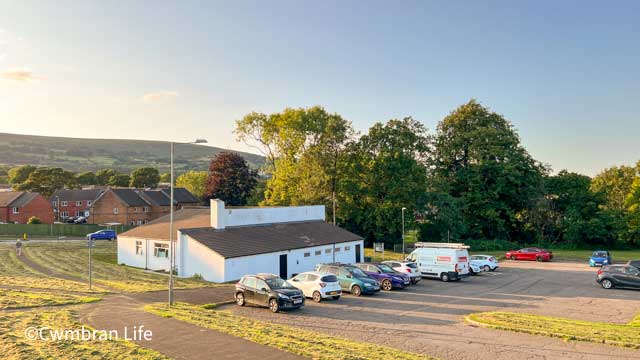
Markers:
103,235
600,258
385,275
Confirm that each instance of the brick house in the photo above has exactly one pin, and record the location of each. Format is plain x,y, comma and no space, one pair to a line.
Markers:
160,204
19,206
76,202
182,197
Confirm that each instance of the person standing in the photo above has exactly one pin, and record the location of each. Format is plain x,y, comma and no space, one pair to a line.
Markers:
19,247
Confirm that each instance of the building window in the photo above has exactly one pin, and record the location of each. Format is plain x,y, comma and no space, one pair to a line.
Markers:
138,247
161,250
115,210
307,254
88,202
139,222
146,209
133,223
135,209
347,248
79,213
63,203
327,251
145,221
318,252
16,210
54,203
337,250
78,203
64,214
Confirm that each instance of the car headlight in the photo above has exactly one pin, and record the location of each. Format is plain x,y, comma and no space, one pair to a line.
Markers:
367,285
283,296
397,278
605,261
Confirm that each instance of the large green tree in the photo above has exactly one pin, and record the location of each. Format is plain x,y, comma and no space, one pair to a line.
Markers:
230,179
615,183
145,177
20,174
46,180
194,181
103,176
380,173
119,180
87,178
480,162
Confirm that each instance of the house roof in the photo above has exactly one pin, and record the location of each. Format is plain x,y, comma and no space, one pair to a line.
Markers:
8,197
130,197
76,194
261,239
24,199
157,197
159,229
180,195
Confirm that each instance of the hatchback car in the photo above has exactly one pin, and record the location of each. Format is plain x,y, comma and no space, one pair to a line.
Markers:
103,235
408,267
317,286
535,254
600,258
351,278
268,290
624,276
486,262
386,276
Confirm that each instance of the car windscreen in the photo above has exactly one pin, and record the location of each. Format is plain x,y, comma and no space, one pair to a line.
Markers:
412,265
277,283
357,272
386,269
329,278
599,254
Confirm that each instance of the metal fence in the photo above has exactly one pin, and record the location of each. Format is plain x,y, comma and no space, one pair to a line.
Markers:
56,230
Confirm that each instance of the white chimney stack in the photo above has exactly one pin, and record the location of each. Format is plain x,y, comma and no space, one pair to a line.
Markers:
218,214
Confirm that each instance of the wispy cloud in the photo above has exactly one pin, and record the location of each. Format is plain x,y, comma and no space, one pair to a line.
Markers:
160,96
19,74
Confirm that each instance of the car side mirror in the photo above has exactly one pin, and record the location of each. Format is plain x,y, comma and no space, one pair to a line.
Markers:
296,280
349,276
263,289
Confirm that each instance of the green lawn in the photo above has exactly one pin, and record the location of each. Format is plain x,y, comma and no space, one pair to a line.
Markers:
17,299
295,340
73,259
614,334
15,346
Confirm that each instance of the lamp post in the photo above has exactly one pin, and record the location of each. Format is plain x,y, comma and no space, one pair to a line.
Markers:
403,209
172,246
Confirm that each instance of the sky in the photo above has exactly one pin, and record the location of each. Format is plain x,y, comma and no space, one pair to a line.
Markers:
565,73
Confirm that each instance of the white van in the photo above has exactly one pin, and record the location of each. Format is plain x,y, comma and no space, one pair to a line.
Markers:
442,260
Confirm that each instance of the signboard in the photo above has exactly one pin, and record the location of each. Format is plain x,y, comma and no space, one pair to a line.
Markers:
91,244
378,247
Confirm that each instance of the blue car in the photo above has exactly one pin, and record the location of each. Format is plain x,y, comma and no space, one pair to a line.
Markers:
103,235
600,258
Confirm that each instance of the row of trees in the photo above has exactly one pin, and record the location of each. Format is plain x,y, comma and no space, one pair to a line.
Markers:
471,180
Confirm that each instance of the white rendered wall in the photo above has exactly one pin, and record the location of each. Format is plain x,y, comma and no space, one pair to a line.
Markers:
198,259
222,217
127,254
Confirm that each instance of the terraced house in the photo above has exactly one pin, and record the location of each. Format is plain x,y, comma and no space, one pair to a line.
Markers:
19,206
77,202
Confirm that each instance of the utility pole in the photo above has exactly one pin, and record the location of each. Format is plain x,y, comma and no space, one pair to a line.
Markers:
334,208
90,244
171,246
403,209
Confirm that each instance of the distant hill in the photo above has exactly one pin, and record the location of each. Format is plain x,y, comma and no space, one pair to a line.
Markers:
78,155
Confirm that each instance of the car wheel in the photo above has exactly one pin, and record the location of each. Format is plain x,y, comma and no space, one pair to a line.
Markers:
444,277
487,268
317,297
513,257
240,299
386,285
471,272
606,283
336,297
539,258
112,239
356,291
274,306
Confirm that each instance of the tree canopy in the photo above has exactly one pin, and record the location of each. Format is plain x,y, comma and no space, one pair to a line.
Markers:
230,179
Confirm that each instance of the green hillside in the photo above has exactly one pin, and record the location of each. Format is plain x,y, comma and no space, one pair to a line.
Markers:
93,154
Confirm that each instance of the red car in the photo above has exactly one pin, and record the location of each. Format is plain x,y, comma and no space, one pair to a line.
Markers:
530,254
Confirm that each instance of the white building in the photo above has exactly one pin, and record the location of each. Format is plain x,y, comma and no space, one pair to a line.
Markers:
223,244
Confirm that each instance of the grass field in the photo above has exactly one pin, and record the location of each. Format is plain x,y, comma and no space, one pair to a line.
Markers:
302,342
18,299
73,259
14,344
614,334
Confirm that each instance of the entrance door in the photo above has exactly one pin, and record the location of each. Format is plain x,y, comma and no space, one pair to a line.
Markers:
358,253
283,266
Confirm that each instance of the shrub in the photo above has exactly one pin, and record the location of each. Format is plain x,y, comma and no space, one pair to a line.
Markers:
34,220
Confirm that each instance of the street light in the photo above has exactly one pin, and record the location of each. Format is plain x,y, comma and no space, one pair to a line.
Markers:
403,209
172,247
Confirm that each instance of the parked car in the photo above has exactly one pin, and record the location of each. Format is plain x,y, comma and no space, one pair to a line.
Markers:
268,290
317,286
351,278
408,267
535,254
446,261
635,263
624,276
600,258
486,262
80,220
475,269
103,235
386,276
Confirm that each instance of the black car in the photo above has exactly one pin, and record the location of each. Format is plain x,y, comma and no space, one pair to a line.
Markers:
626,276
268,290
634,263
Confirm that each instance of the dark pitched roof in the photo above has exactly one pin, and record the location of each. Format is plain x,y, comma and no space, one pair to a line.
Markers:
130,197
24,199
76,194
180,195
157,197
158,229
8,197
261,239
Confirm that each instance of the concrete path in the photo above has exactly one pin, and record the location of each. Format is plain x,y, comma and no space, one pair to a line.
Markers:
171,337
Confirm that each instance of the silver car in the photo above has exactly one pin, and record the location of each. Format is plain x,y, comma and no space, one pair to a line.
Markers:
407,267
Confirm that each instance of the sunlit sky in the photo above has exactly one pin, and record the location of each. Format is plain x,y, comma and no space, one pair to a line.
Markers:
566,73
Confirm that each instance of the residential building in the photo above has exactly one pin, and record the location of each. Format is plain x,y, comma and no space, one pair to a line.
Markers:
182,197
73,203
223,244
19,206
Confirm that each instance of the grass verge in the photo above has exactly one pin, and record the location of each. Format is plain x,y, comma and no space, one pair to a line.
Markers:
14,344
626,335
298,341
17,299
